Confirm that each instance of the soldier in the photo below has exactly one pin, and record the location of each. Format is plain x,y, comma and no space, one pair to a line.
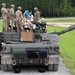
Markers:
12,15
8,18
36,14
19,18
4,12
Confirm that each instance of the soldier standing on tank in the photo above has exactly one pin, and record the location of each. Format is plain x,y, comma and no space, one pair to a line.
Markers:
12,16
4,12
8,18
36,14
19,18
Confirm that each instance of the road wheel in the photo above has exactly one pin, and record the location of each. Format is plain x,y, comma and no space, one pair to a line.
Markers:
55,67
4,67
10,67
42,69
16,69
52,67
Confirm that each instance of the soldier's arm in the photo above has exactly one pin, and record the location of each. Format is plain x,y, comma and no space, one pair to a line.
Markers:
35,15
38,14
5,11
21,16
12,12
2,11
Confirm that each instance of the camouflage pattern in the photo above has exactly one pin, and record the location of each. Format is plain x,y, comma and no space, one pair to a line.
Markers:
12,15
8,17
36,14
19,18
4,12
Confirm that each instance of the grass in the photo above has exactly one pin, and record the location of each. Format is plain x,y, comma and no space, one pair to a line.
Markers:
63,20
67,47
60,20
0,26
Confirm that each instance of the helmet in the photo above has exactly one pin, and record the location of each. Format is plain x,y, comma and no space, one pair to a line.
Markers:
3,4
43,19
12,6
19,8
35,8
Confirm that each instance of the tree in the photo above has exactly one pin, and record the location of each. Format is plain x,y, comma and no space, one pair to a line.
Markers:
47,8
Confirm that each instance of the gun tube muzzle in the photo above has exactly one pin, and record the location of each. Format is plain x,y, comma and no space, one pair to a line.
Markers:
66,30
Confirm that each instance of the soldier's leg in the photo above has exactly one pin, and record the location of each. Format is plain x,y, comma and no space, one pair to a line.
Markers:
8,24
21,26
17,25
5,25
12,23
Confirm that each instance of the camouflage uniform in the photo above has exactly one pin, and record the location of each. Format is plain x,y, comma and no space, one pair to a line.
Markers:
12,15
4,12
36,14
8,17
19,19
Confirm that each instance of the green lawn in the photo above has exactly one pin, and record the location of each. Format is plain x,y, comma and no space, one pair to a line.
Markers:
67,47
0,26
60,20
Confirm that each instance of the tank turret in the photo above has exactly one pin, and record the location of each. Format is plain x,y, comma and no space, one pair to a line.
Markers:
53,37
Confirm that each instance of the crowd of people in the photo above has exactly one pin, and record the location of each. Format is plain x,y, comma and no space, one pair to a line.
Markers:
16,18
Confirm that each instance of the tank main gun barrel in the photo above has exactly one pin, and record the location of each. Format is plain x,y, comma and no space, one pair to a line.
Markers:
66,30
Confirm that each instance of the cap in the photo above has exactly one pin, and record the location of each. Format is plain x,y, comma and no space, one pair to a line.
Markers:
3,4
19,7
35,8
43,19
12,5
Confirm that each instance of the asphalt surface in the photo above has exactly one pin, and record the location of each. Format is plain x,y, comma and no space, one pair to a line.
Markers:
61,24
33,71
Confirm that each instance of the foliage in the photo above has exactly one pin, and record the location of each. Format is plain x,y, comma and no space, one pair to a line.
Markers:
48,8
60,20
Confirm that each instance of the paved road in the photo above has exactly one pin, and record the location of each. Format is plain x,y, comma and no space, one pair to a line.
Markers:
33,71
61,18
62,24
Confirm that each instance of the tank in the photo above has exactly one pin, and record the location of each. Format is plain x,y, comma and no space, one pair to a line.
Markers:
30,49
